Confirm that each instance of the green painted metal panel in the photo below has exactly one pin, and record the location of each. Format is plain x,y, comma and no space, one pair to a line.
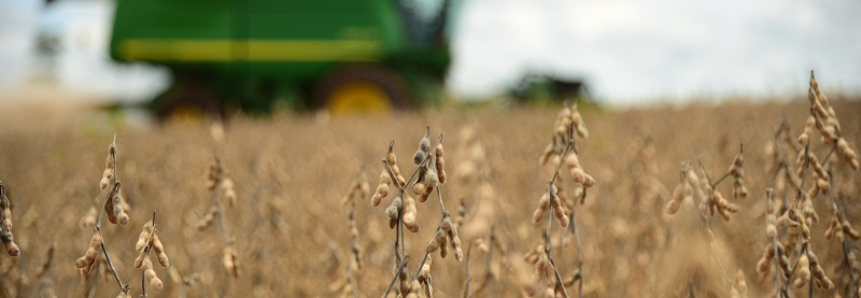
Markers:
290,39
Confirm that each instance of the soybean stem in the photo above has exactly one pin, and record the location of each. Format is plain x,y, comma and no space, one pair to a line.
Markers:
147,248
548,246
397,271
114,187
579,252
468,290
444,213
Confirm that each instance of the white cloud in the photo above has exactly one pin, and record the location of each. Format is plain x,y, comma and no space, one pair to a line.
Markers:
17,24
83,63
632,49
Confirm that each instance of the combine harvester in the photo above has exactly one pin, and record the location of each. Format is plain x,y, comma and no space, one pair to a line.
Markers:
253,55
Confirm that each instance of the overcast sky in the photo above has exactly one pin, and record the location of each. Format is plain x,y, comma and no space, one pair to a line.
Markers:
627,50
630,49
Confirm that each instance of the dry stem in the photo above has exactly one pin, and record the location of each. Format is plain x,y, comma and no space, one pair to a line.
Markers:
394,278
354,250
705,221
547,245
468,289
804,249
804,243
846,264
579,275
777,263
146,252
444,214
114,188
400,250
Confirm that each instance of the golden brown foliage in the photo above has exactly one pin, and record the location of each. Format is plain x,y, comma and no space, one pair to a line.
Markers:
293,170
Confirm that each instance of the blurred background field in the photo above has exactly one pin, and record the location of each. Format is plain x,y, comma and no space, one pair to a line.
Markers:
291,171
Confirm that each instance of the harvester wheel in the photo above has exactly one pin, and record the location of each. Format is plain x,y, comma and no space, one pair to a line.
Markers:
189,100
361,89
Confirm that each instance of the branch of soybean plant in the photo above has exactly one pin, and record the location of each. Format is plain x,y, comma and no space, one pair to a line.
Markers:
777,264
147,249
804,249
706,230
394,179
444,212
400,248
441,204
114,188
354,251
468,288
398,238
800,194
413,175
846,265
713,185
442,218
579,275
113,152
833,148
722,178
852,288
712,250
489,277
400,232
394,278
564,154
799,200
352,280
547,244
725,175
720,265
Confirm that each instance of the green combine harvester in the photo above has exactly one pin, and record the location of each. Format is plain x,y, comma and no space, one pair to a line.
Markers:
254,55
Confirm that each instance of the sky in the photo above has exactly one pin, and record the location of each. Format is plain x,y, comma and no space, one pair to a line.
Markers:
83,64
627,51
631,50
16,23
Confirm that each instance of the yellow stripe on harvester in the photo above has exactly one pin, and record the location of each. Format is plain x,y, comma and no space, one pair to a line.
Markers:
226,50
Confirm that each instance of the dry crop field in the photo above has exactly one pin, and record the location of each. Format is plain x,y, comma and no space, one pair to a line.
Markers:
272,217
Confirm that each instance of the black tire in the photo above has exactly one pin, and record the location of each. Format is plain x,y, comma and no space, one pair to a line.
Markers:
399,95
188,98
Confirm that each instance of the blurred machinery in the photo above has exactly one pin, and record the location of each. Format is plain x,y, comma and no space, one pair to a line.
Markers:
537,87
254,55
